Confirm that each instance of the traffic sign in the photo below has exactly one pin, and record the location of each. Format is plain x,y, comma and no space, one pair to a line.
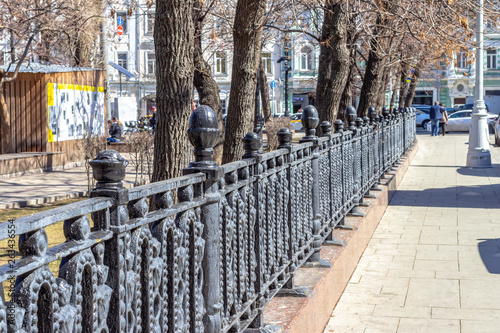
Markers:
273,84
408,80
120,20
119,30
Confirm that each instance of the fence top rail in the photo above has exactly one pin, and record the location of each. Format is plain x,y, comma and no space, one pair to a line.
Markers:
233,166
43,219
165,185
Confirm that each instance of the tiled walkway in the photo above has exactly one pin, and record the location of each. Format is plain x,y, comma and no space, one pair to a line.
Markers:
433,264
38,188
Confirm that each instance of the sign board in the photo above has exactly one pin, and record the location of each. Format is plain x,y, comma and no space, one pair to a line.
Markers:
273,84
119,30
119,20
408,80
73,110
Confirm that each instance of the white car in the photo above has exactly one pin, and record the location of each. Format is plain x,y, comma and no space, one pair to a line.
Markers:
422,117
460,121
296,120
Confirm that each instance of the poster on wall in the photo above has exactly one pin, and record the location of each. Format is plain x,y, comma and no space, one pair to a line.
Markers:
74,110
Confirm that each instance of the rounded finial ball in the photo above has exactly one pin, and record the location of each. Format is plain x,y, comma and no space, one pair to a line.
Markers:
310,118
203,129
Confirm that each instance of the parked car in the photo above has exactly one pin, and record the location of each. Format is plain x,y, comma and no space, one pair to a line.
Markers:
471,107
422,117
296,120
459,121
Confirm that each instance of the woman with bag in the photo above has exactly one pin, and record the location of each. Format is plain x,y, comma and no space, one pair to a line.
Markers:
443,121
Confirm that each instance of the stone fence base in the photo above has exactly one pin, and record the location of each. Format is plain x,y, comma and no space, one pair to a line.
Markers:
326,285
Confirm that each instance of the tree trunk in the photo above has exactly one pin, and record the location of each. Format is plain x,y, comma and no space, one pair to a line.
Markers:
394,91
247,35
402,83
413,84
5,128
384,81
207,88
371,80
334,60
174,45
264,93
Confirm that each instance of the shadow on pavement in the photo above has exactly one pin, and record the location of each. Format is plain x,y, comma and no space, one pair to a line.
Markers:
489,249
494,171
475,196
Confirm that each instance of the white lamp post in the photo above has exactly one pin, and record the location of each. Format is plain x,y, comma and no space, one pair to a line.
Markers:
479,155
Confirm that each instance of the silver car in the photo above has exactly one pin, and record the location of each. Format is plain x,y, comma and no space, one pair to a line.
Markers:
460,121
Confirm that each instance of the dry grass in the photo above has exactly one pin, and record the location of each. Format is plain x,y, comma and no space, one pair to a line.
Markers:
54,233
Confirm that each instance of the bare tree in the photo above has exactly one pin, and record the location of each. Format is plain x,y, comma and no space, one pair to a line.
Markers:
174,49
247,33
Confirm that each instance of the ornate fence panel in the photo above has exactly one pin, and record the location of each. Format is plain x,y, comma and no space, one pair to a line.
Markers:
204,252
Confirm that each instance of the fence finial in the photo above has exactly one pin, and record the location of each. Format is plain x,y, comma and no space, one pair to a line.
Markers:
285,136
203,134
109,169
385,113
339,126
310,120
326,128
372,114
252,144
350,115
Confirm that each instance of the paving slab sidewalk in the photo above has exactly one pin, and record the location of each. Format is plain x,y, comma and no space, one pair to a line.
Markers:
433,264
32,189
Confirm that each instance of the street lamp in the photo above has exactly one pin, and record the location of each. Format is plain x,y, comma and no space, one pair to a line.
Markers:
286,60
479,155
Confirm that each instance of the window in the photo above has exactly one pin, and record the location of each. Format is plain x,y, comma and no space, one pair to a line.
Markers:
220,62
150,63
461,61
268,65
150,23
306,59
122,59
121,19
491,59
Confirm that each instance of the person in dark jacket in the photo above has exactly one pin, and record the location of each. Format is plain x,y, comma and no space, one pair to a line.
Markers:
152,121
435,115
115,131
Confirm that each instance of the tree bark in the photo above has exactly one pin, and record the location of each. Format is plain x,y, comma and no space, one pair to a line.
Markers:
5,128
413,84
384,81
371,80
247,35
394,91
402,83
174,45
207,88
334,60
264,93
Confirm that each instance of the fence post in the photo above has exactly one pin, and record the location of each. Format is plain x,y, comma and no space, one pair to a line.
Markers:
252,144
310,120
109,170
203,134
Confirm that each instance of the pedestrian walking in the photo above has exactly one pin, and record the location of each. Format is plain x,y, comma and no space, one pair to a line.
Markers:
443,121
435,115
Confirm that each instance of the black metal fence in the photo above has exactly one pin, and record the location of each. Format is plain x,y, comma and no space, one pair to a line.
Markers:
204,252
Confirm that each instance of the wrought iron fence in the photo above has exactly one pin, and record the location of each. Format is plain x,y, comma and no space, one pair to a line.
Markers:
204,252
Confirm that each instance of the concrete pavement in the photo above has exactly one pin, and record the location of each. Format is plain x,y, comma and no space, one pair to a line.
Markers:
433,264
33,189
